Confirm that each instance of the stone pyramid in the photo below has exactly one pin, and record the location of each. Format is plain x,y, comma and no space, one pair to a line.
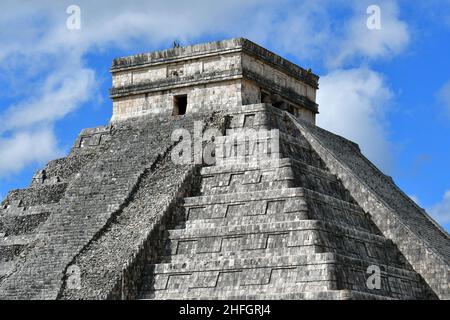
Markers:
291,212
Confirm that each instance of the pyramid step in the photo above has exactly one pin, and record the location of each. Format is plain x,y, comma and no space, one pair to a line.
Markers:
234,230
400,282
272,247
298,194
247,143
252,160
242,254
18,211
320,181
23,224
247,180
258,292
250,241
303,234
246,220
234,273
234,184
244,196
245,204
220,265
296,147
277,202
284,227
276,274
269,293
245,295
244,177
269,164
262,219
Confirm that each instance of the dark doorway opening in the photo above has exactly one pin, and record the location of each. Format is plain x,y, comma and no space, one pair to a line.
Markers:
179,105
265,97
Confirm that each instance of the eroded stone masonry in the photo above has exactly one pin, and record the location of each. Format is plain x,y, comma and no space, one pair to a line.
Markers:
118,218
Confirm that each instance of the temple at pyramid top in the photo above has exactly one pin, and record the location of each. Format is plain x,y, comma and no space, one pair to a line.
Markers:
208,76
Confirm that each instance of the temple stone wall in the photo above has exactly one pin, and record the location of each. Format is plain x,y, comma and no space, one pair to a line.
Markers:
251,93
278,77
200,99
178,69
230,72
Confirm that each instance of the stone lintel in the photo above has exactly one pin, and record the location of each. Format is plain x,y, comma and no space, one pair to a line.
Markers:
214,48
172,83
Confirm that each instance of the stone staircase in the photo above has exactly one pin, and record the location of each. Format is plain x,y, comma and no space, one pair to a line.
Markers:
42,230
277,228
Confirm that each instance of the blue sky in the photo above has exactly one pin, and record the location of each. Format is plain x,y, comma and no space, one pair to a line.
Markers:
387,89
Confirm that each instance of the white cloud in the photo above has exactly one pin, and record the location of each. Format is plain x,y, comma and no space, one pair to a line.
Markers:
444,97
60,94
25,148
302,29
116,23
353,103
359,41
441,211
307,29
315,31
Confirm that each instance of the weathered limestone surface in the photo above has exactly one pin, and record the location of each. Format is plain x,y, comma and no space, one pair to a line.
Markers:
420,238
283,231
91,200
303,219
131,236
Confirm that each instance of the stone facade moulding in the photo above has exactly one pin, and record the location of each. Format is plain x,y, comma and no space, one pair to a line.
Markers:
215,48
